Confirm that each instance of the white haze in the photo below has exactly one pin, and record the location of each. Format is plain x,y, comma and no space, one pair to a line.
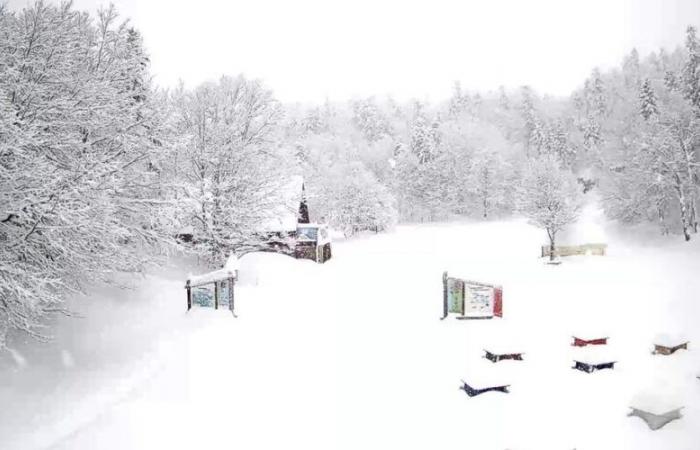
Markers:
310,50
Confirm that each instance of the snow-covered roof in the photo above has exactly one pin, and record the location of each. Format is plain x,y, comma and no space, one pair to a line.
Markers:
211,277
284,213
670,340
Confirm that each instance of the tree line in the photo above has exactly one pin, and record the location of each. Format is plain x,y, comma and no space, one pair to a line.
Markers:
100,170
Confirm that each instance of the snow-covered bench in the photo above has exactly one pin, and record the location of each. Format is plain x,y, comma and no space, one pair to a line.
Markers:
591,359
496,356
589,367
473,392
656,410
583,342
665,344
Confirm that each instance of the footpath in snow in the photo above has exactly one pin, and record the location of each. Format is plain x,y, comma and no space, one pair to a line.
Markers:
352,354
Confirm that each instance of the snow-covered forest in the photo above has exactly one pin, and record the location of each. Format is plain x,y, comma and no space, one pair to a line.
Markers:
101,169
118,192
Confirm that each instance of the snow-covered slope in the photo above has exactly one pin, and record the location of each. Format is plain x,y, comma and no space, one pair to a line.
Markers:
351,354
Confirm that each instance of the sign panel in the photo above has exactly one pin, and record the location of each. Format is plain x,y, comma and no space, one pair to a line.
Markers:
203,296
224,294
455,295
471,299
478,300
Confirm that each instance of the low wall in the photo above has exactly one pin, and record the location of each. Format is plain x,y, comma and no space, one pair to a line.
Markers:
571,250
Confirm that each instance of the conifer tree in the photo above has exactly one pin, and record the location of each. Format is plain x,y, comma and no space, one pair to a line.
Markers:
691,70
647,100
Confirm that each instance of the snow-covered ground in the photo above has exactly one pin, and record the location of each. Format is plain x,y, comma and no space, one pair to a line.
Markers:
352,354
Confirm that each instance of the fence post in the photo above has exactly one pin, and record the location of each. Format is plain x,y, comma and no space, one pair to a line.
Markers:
216,294
189,295
444,295
231,296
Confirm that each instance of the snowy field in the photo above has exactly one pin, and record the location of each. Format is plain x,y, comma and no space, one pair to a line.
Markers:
352,354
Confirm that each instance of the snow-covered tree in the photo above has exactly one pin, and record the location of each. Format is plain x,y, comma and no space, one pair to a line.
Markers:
424,135
550,197
487,182
691,69
647,100
458,102
670,147
361,203
78,134
229,163
342,191
370,120
630,69
595,96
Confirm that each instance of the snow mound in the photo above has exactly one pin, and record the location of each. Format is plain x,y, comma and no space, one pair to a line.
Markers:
658,399
267,268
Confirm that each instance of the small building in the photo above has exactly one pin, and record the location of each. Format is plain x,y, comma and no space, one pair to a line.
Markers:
287,228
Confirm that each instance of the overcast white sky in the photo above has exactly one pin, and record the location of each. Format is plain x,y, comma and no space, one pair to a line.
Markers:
309,50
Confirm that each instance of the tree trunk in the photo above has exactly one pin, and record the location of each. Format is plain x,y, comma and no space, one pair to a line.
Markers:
693,216
551,235
685,222
662,221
